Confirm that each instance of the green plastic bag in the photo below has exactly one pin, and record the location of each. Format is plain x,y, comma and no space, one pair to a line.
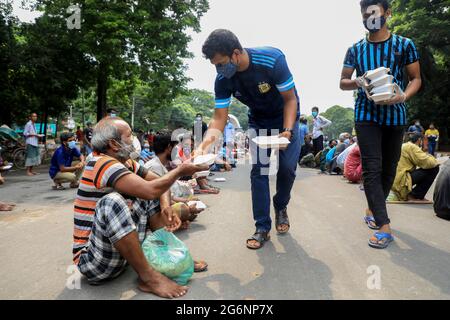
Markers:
169,255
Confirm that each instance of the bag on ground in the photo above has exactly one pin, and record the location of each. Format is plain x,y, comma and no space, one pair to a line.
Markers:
169,255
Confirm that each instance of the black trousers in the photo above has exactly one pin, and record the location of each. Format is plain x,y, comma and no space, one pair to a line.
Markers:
380,152
317,145
422,179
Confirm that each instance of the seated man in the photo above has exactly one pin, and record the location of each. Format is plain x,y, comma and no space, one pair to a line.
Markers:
353,165
306,148
344,142
116,205
181,192
62,167
442,193
324,153
416,171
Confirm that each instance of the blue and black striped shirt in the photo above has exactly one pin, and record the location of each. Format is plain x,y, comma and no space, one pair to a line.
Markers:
394,53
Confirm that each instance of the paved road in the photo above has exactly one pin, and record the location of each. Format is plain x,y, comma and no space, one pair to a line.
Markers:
324,257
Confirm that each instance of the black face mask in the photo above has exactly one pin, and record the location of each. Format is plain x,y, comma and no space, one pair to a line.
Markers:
375,25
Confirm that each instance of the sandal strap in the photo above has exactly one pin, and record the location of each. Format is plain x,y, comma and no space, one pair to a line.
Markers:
382,235
281,217
260,236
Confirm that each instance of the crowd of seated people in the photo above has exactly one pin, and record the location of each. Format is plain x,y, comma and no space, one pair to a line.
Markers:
123,194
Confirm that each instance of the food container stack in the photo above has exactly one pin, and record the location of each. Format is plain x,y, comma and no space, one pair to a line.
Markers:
381,85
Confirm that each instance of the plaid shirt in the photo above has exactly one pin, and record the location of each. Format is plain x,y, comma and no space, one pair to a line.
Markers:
100,260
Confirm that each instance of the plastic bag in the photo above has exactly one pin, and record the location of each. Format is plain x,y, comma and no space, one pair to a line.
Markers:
169,255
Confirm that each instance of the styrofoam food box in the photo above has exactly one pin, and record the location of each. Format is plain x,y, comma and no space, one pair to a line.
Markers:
206,159
382,97
387,88
386,79
377,73
271,142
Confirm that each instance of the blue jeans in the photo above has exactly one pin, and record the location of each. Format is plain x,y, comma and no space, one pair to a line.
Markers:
431,148
259,175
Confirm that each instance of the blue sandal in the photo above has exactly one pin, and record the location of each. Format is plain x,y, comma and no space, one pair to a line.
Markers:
368,220
380,237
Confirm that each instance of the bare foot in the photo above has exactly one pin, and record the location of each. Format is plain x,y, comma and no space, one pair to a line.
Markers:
162,286
30,174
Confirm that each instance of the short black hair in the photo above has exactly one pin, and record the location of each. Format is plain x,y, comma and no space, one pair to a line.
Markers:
162,142
303,120
222,42
367,3
315,109
111,110
331,142
66,136
199,115
415,137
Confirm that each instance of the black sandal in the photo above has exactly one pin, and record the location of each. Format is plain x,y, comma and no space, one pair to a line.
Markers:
281,218
259,236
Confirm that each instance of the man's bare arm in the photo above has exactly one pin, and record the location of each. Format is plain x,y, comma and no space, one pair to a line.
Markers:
215,130
346,79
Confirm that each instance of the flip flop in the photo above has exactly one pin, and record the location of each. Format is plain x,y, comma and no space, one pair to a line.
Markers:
58,188
258,236
368,220
380,237
203,266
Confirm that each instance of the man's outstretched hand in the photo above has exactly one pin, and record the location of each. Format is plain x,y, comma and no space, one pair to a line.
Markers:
188,168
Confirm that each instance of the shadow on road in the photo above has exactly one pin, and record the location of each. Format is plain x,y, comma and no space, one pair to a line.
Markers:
429,263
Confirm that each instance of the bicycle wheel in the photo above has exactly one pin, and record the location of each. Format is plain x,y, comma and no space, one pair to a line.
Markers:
19,157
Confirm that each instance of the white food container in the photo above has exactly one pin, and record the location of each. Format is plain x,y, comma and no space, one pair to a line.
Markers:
198,204
271,142
206,159
387,88
383,80
382,97
377,73
220,180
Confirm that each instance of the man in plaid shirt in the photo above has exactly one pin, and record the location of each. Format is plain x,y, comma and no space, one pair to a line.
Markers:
115,207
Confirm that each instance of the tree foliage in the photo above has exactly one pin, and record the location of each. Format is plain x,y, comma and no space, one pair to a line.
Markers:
427,23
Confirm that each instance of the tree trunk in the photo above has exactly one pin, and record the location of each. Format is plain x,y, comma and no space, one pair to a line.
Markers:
102,86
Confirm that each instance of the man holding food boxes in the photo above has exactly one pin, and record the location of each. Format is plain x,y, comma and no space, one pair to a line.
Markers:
380,61
259,78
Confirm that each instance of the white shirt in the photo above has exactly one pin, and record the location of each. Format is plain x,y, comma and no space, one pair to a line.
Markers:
343,156
30,129
318,123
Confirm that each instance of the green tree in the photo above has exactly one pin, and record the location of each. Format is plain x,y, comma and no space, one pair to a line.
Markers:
133,39
427,23
342,119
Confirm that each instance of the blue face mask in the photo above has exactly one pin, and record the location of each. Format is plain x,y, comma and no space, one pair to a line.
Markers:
227,70
72,144
375,24
347,141
315,114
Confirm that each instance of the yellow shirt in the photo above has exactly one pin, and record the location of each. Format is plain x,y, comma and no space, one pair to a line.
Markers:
433,132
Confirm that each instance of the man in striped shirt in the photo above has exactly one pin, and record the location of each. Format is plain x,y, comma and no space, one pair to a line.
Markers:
380,127
259,78
115,207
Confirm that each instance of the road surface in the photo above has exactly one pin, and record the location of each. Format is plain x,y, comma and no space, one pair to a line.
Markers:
325,256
